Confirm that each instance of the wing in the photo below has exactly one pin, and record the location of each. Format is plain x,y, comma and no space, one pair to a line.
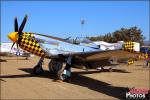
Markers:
77,41
91,55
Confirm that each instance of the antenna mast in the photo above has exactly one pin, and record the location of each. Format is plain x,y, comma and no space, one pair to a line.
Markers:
82,24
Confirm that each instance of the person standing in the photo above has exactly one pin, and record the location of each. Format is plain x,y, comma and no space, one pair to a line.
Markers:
147,59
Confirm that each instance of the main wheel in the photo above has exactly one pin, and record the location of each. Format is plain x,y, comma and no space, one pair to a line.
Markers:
37,70
58,68
54,66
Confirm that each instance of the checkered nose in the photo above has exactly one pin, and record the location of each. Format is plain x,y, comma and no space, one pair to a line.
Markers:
30,44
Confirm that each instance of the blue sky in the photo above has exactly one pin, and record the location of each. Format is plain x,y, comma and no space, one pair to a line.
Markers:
62,18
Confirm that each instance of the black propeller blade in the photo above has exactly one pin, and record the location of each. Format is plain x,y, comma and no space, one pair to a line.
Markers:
20,29
16,25
22,25
12,45
15,29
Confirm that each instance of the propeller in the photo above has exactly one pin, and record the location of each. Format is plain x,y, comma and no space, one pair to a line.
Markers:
16,24
18,30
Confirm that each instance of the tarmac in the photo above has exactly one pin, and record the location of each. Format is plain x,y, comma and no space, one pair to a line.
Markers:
18,81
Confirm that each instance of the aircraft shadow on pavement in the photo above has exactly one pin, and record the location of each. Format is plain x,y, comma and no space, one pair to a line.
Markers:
17,59
104,70
99,86
3,60
79,79
46,74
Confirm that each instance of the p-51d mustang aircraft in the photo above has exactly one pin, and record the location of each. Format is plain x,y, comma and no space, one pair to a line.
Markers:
64,53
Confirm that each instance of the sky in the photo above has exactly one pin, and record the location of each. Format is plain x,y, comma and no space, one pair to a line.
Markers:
63,18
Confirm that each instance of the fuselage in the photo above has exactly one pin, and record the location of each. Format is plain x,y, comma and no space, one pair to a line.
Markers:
45,47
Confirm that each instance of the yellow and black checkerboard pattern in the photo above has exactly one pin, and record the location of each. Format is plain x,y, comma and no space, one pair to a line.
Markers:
29,44
129,46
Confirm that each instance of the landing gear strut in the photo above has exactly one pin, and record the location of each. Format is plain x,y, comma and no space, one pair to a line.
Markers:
62,68
37,70
65,72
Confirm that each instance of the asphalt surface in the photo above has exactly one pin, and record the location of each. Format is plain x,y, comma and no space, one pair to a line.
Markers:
18,82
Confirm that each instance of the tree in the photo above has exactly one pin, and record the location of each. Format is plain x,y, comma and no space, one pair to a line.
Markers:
124,34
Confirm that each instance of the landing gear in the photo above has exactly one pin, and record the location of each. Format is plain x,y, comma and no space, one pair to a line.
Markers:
61,74
110,70
62,69
64,73
37,70
55,65
100,68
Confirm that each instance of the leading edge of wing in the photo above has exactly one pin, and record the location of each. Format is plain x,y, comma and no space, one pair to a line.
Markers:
52,37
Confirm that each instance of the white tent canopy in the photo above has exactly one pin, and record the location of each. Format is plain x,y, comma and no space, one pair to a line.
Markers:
109,46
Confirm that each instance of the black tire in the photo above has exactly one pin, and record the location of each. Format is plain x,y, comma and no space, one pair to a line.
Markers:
54,66
37,70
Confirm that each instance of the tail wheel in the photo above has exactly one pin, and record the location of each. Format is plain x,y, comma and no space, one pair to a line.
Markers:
110,70
113,60
37,70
